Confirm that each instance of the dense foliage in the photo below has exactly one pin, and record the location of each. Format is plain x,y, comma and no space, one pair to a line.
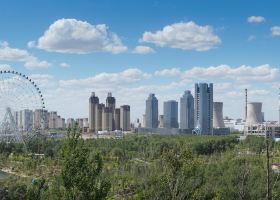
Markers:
139,167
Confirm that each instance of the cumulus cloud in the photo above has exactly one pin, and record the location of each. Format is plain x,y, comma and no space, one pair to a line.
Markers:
244,73
64,65
43,80
168,72
256,19
184,35
143,50
4,67
132,86
275,30
104,79
80,37
19,55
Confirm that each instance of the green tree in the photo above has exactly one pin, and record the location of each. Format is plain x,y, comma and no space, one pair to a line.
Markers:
80,174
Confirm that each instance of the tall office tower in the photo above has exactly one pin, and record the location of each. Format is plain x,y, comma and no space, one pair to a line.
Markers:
117,118
98,116
111,103
204,108
107,119
60,122
27,119
40,119
63,123
80,122
170,114
125,118
37,118
187,111
93,101
53,120
151,116
46,118
20,120
161,118
16,117
70,122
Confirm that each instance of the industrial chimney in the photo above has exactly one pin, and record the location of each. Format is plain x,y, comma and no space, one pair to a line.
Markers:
218,121
254,113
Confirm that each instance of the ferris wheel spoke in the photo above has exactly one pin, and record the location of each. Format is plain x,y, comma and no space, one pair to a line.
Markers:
19,94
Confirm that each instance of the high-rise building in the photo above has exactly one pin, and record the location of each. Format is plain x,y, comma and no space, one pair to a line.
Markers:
111,103
80,122
125,118
204,108
117,118
40,119
187,111
27,120
161,118
151,115
170,114
98,116
107,119
60,122
93,102
53,120
70,122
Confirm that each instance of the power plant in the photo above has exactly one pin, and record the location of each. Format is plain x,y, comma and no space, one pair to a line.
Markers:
255,123
218,119
254,113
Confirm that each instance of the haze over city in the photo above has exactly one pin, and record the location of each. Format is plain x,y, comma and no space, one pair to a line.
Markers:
144,47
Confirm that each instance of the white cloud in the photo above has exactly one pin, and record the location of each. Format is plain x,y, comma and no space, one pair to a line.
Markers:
13,54
143,50
275,30
4,67
43,80
256,19
104,79
171,72
75,36
265,73
132,86
251,38
184,35
64,65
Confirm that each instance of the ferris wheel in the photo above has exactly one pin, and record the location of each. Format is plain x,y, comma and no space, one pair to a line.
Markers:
22,107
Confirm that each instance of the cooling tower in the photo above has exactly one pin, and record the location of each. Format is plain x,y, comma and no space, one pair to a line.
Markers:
254,113
218,120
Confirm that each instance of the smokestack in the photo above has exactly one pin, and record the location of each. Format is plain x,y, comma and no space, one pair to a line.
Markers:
246,103
254,113
218,121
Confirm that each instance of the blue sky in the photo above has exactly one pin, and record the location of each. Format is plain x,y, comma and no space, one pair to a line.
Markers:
242,51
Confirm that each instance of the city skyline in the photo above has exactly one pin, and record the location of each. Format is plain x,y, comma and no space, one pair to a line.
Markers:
171,47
